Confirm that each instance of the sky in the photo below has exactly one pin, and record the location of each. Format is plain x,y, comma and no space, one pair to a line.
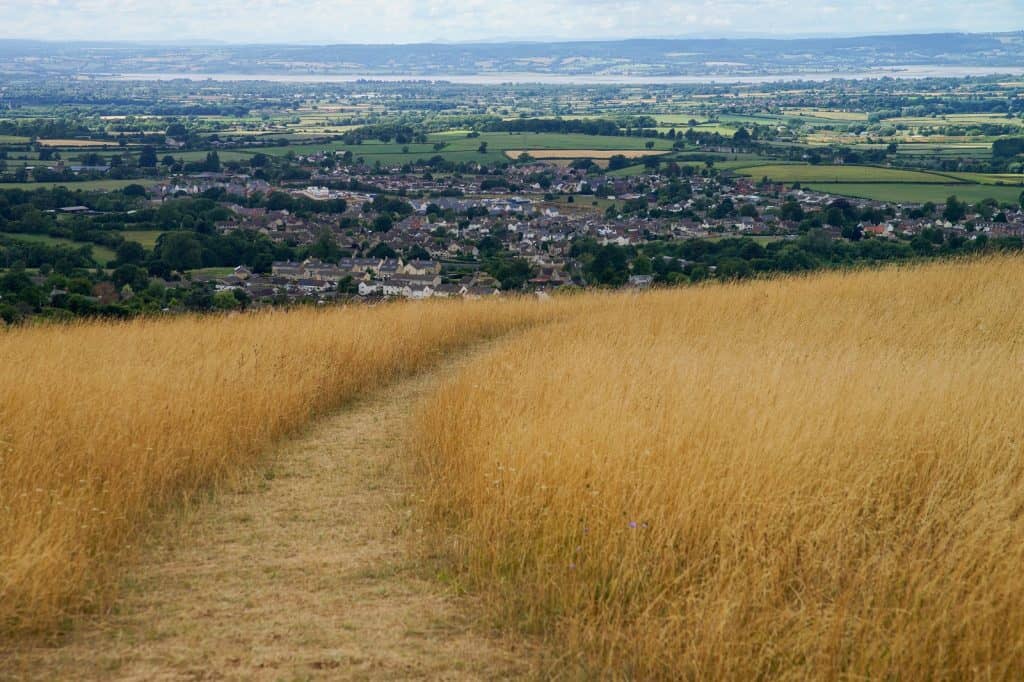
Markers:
407,21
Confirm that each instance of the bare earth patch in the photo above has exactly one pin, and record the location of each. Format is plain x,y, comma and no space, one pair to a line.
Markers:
306,570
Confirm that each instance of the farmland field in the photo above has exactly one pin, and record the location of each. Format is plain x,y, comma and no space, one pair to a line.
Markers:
828,114
580,153
77,143
145,237
100,254
991,178
920,193
84,185
844,174
458,147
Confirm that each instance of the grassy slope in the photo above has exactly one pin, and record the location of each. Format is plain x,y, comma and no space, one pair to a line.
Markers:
304,570
103,424
803,478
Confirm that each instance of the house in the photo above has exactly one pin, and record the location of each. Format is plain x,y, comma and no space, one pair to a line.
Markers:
370,288
396,288
288,269
314,286
422,267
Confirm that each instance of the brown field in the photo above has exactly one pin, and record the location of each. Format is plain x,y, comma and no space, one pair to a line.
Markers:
804,478
103,425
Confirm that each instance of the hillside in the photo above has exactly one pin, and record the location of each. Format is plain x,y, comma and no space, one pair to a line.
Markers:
803,478
640,57
814,476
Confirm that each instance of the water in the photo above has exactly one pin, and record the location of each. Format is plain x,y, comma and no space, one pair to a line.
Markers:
583,79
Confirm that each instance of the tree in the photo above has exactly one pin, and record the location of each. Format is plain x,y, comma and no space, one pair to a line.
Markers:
642,265
741,136
225,300
212,164
834,217
617,162
180,251
417,252
791,210
955,210
147,157
132,276
325,247
382,250
482,148
176,130
513,273
131,252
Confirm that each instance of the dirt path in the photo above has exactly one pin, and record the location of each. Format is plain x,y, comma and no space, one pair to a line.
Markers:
302,572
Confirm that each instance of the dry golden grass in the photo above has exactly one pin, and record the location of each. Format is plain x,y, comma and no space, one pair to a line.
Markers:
101,425
811,478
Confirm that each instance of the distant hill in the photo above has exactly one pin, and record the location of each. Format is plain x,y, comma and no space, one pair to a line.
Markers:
654,57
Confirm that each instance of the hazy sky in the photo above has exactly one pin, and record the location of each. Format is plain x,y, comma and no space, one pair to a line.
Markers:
402,21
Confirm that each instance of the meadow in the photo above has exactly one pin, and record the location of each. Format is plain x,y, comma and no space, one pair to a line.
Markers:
100,254
84,185
459,148
799,478
789,173
915,193
105,425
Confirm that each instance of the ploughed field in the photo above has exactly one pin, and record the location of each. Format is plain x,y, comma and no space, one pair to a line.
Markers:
800,477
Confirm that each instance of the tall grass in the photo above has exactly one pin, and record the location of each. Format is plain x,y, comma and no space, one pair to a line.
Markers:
102,425
818,477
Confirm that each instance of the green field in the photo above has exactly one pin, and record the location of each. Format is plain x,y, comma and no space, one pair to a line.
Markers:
222,154
84,185
145,237
1009,179
460,148
212,272
916,193
843,174
100,254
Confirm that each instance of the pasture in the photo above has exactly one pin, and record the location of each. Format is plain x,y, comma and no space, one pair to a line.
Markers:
145,237
84,185
791,173
100,254
915,193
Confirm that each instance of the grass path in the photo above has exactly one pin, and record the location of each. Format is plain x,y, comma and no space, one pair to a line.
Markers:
304,571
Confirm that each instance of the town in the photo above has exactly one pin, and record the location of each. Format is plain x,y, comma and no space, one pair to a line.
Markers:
336,195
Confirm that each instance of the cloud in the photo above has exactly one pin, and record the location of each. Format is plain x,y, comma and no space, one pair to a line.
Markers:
335,21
